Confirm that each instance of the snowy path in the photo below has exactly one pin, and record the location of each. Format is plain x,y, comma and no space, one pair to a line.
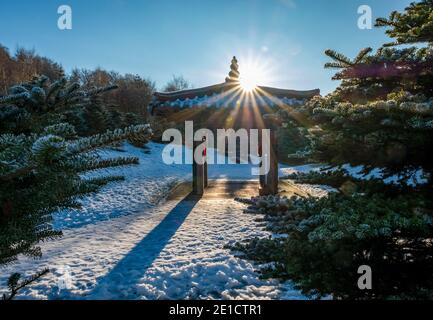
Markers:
176,251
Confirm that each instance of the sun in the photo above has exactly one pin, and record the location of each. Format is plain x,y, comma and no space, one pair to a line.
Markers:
251,75
247,84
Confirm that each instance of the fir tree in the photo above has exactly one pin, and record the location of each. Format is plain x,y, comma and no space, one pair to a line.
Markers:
41,162
412,26
381,116
382,113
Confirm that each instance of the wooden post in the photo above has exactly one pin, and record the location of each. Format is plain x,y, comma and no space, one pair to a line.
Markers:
262,177
269,181
205,177
273,162
197,173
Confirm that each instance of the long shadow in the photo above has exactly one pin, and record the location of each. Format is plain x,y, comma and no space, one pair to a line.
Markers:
131,268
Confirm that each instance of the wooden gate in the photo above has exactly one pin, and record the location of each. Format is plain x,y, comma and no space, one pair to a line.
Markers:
268,182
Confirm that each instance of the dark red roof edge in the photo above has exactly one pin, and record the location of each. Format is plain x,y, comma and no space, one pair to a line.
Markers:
281,93
162,97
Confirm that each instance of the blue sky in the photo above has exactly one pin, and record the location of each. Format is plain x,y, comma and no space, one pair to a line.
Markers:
197,38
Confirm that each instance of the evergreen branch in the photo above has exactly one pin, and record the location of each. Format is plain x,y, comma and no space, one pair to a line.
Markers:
100,90
64,130
361,55
95,164
92,185
55,88
339,57
45,235
388,70
17,173
382,22
8,111
72,88
110,137
14,97
18,89
15,286
334,65
41,81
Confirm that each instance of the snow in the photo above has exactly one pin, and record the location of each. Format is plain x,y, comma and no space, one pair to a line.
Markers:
175,251
377,173
146,185
316,190
284,171
129,242
229,100
356,172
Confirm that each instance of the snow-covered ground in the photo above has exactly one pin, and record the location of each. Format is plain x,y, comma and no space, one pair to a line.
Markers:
145,185
130,243
175,251
416,177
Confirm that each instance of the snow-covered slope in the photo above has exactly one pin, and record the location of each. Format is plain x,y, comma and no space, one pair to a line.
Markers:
145,186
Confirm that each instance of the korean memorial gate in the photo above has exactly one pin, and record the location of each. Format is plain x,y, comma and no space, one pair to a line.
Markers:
229,105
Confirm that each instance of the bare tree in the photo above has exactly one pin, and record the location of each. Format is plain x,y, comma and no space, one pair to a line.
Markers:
177,83
23,66
132,96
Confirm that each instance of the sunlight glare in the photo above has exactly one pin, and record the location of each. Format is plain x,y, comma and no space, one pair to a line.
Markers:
251,75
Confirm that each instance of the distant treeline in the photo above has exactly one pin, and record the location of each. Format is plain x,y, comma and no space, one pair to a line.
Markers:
132,96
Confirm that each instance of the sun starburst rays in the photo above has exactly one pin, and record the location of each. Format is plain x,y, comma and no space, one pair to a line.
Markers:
252,74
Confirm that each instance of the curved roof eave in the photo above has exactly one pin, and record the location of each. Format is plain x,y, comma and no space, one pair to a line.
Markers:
219,88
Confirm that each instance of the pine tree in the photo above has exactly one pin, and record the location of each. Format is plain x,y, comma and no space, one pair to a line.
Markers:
382,113
381,116
412,26
41,162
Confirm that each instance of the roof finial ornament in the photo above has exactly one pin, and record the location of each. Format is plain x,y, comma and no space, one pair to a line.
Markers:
234,71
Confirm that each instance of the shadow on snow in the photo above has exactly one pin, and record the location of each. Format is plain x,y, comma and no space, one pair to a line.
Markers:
132,267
